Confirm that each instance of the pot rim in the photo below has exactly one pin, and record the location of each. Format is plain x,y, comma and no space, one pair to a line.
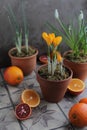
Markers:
14,48
59,81
66,52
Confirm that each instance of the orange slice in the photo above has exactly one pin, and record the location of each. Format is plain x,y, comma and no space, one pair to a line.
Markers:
30,97
76,86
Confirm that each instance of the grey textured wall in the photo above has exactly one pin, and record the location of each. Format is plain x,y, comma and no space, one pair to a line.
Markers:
37,12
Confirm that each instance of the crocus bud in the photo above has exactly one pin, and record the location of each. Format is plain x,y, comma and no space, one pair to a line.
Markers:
81,16
70,29
56,14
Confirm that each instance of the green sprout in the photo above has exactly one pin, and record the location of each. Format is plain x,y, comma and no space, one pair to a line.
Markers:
75,38
18,30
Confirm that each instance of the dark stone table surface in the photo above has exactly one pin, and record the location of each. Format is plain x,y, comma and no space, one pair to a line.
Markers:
47,116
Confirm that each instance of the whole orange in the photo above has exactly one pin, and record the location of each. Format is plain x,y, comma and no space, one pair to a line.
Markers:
83,100
13,75
78,115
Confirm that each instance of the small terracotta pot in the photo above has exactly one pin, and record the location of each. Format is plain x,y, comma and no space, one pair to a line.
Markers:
27,64
79,69
53,91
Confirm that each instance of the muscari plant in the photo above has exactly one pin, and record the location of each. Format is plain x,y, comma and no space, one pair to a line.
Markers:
18,30
75,37
54,56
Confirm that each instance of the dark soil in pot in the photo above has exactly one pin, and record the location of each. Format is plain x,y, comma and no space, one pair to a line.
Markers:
81,58
24,53
43,72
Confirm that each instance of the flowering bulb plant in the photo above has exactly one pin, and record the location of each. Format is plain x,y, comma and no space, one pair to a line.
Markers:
75,37
54,57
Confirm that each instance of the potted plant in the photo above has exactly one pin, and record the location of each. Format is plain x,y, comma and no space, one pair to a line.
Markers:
23,56
53,77
76,39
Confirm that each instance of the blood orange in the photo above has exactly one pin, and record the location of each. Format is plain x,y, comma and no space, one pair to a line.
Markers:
22,111
43,59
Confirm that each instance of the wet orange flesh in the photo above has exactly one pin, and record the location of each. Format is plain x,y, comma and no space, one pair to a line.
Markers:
76,85
31,98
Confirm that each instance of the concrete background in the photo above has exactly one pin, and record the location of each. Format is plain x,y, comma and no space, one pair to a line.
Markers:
38,12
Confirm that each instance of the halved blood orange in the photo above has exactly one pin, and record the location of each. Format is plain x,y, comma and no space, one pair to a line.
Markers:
31,97
22,111
83,100
43,59
76,86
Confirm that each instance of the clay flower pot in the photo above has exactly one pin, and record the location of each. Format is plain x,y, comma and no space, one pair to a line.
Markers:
27,64
79,69
53,91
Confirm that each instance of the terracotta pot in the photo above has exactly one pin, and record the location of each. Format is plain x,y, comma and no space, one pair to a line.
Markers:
53,91
27,64
79,69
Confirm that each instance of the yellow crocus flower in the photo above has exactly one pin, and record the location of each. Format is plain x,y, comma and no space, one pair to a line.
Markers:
47,38
59,57
57,41
51,36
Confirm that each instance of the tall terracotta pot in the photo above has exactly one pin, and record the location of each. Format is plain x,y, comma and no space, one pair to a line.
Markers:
27,64
79,69
53,91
